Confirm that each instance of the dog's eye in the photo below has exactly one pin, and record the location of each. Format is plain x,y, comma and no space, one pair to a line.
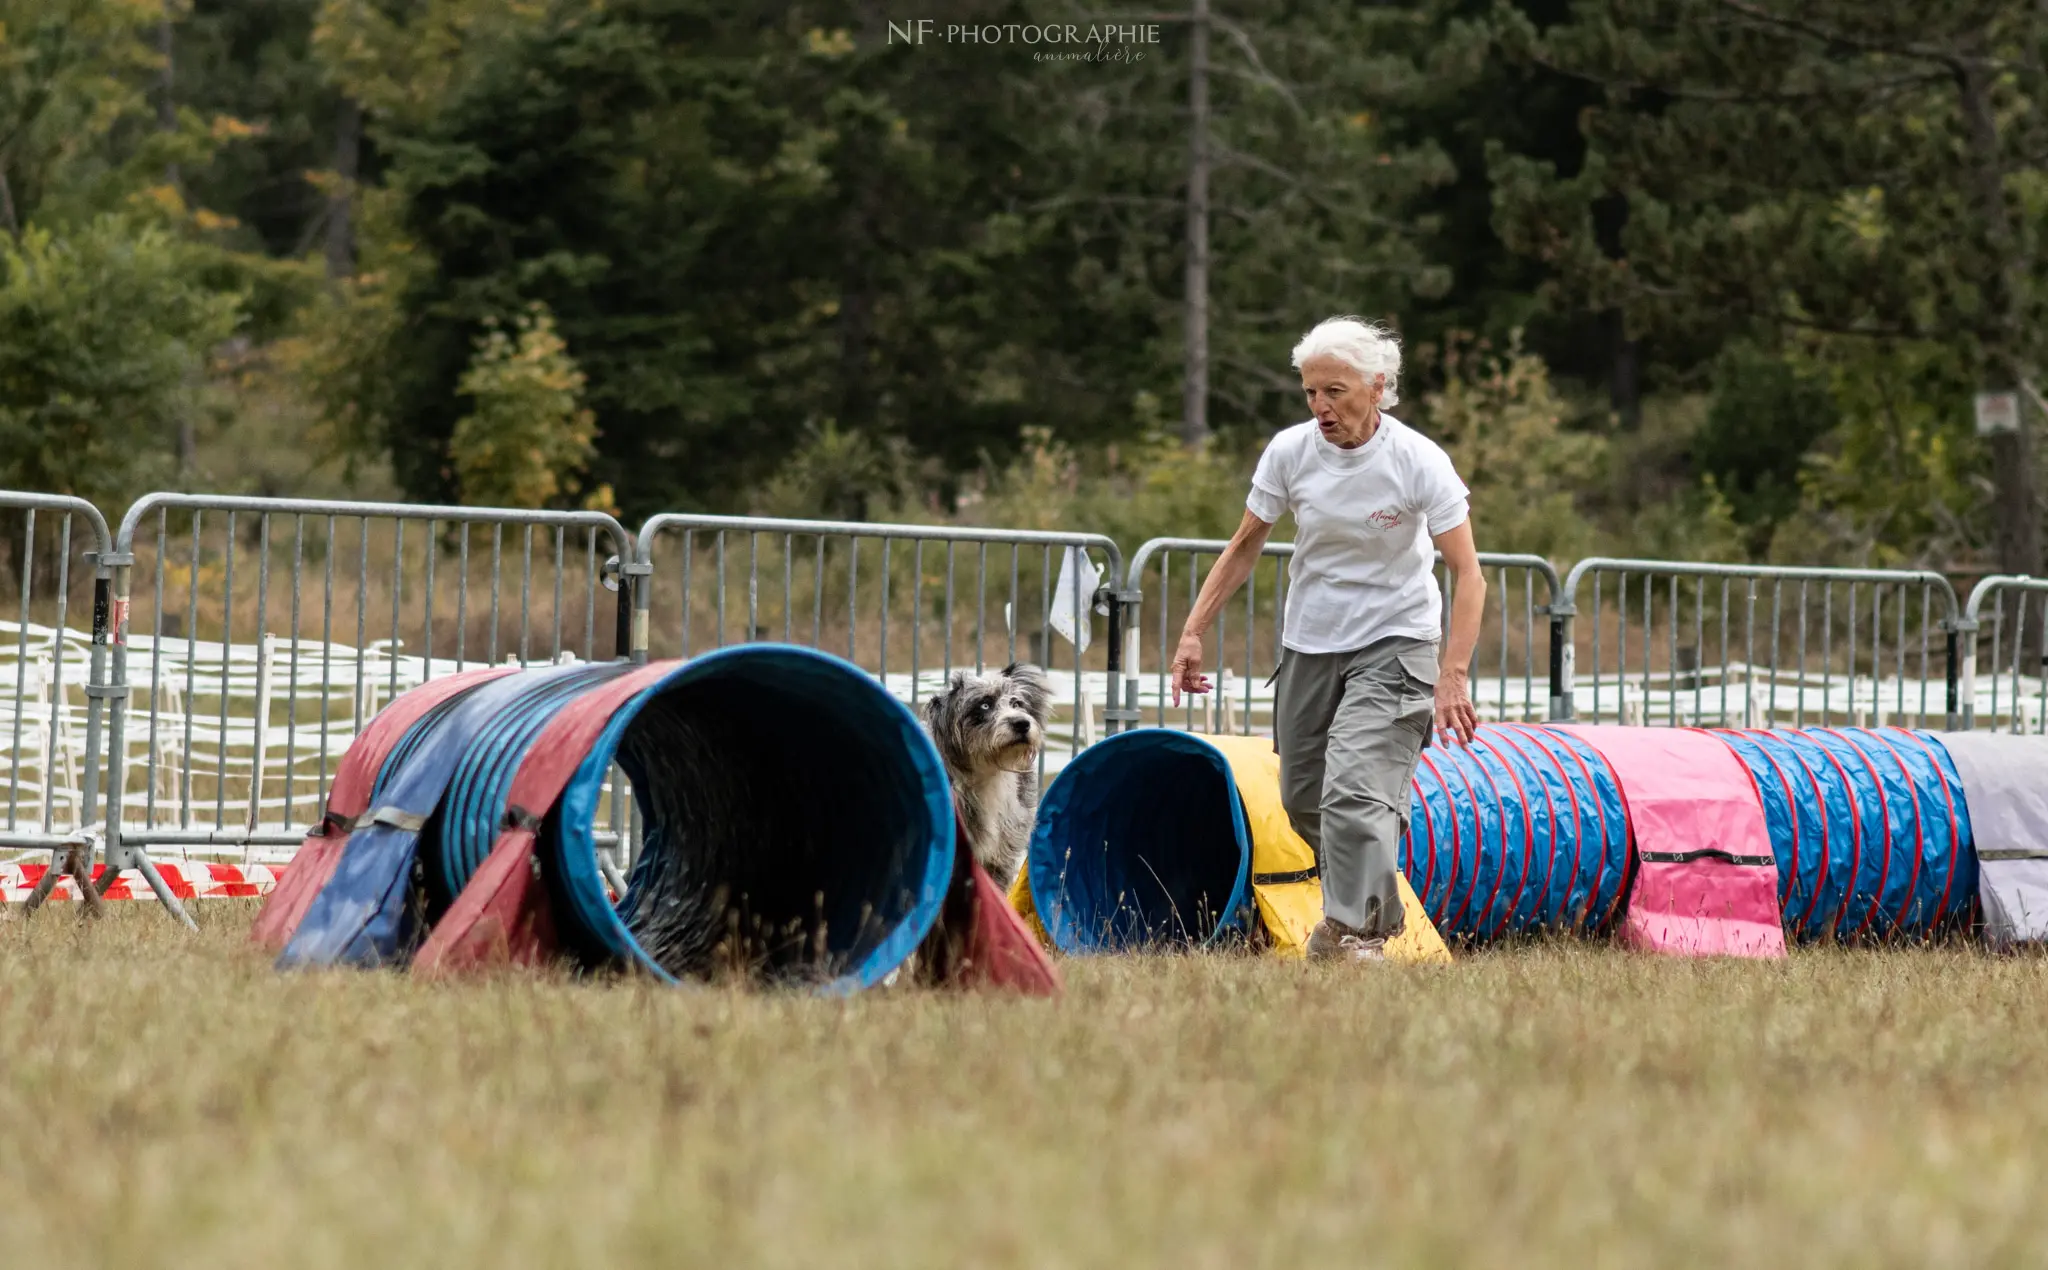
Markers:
981,711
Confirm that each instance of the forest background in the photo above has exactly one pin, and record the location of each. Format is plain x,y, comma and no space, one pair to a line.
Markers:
1713,279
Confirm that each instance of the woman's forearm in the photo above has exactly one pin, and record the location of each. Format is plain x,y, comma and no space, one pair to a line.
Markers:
1468,609
1231,570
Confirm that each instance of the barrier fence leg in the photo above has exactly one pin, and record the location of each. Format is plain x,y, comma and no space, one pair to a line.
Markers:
1562,662
1961,711
117,853
73,858
1121,662
635,598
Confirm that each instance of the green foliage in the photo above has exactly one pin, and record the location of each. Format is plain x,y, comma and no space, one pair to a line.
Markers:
252,66
835,474
810,271
1900,481
528,438
747,222
103,336
1833,170
1766,414
1506,430
1810,167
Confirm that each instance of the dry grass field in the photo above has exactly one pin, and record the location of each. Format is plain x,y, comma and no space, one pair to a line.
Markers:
169,1100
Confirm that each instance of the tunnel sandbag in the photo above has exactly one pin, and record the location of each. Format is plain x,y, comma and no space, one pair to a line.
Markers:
2005,790
981,941
1286,878
796,826
502,915
1706,879
1869,826
1160,839
1003,950
1522,831
368,913
355,777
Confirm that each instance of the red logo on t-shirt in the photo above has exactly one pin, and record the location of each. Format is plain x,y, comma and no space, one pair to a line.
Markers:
1384,519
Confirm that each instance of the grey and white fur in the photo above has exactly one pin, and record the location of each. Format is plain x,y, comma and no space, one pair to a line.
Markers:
989,729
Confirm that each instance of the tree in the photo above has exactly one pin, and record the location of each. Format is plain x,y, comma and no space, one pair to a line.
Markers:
1843,169
1504,427
528,439
103,333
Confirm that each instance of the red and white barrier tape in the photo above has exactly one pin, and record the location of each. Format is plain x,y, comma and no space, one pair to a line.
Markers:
187,881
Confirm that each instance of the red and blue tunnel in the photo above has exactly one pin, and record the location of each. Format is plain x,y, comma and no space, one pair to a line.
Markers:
795,823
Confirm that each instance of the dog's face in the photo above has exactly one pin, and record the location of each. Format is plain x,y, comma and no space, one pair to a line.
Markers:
994,720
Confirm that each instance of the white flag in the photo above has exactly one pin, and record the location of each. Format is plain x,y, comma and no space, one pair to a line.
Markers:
1073,596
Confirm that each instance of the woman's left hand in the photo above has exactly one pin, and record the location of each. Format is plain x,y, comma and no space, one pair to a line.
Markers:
1455,716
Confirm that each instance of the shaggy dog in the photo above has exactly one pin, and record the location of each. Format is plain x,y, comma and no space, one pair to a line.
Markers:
988,728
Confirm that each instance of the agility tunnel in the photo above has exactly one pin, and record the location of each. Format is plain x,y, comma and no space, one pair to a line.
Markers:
1524,830
795,825
1870,829
1144,840
1674,840
1161,839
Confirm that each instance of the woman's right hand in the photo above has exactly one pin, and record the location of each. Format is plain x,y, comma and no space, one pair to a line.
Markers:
1187,667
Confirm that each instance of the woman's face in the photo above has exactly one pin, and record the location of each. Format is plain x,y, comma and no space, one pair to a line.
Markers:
1343,403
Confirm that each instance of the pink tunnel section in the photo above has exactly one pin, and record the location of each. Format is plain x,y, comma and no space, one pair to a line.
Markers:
1706,878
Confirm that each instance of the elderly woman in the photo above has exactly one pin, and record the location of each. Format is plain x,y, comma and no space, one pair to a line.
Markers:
1361,677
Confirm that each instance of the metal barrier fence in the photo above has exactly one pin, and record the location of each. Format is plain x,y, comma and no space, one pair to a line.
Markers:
41,726
2026,696
908,603
240,643
242,689
1512,673
1758,645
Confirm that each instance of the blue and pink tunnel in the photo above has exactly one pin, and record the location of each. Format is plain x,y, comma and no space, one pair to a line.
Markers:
795,825
1687,841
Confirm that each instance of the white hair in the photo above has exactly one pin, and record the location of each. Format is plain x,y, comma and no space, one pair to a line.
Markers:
1366,347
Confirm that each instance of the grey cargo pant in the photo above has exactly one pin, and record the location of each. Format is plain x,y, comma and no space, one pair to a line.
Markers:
1349,728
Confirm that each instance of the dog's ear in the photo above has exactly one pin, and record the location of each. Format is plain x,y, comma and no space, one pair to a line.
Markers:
935,705
1029,682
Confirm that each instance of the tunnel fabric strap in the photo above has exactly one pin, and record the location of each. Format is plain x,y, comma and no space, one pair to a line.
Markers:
349,796
1704,853
1281,879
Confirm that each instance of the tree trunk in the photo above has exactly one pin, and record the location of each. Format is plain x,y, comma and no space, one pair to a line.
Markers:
348,145
2012,454
1194,428
1624,371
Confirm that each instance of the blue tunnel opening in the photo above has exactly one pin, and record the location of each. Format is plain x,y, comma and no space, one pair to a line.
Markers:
1141,842
796,826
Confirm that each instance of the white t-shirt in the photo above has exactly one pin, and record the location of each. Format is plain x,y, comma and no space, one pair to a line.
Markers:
1364,562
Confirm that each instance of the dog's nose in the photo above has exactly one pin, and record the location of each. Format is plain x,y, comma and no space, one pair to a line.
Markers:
1022,727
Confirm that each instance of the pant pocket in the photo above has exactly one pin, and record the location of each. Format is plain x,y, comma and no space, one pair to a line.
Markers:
1421,662
1419,673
